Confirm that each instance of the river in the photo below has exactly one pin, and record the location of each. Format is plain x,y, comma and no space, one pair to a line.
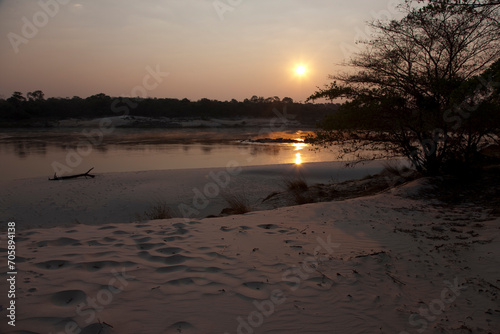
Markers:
26,153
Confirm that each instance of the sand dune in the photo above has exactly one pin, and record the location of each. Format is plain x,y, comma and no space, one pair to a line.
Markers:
388,263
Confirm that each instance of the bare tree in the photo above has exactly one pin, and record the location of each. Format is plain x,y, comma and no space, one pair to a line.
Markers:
465,3
401,92
483,8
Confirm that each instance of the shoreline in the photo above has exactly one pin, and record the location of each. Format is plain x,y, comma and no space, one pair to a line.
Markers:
166,123
123,196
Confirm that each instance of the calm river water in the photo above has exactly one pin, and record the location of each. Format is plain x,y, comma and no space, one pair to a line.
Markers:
25,153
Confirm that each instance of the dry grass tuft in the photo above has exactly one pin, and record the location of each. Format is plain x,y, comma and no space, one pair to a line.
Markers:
238,203
302,199
160,210
298,186
395,168
297,183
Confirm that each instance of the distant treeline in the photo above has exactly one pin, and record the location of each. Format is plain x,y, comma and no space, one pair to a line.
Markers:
20,109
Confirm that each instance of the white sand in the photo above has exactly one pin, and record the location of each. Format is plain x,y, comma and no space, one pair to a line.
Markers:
365,265
120,197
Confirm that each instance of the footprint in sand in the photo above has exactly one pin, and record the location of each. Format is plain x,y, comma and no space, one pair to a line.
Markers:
108,239
181,281
108,227
68,297
181,327
273,227
138,239
53,264
179,229
148,246
170,250
171,269
173,259
98,265
59,242
94,243
98,328
268,226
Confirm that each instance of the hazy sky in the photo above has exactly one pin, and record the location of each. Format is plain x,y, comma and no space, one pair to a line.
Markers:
216,49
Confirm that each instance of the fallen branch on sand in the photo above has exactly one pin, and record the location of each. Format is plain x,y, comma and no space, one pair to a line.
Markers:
324,275
56,178
371,254
395,279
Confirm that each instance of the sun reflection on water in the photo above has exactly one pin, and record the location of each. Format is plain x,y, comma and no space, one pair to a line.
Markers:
299,146
298,159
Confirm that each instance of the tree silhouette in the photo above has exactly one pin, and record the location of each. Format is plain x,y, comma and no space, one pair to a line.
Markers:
400,96
37,95
16,98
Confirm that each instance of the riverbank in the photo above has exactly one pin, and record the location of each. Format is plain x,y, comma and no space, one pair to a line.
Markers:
190,193
278,120
398,261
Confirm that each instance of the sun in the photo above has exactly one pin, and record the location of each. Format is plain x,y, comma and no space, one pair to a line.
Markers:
300,70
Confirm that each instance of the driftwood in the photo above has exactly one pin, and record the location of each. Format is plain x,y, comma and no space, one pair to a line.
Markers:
372,254
394,278
85,175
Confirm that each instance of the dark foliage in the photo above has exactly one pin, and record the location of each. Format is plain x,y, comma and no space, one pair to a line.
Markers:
17,108
426,87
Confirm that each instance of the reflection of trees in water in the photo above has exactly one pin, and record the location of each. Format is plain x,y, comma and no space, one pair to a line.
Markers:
101,148
273,150
84,146
25,148
206,149
140,140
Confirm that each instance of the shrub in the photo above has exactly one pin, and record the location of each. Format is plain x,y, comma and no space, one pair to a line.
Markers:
160,210
297,183
238,203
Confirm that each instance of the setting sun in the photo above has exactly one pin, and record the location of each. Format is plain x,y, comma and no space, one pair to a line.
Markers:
300,70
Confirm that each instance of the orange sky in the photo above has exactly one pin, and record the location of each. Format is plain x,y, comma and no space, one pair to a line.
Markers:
216,49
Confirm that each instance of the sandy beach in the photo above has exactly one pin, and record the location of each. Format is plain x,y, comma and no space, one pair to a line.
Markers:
121,197
393,262
250,167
